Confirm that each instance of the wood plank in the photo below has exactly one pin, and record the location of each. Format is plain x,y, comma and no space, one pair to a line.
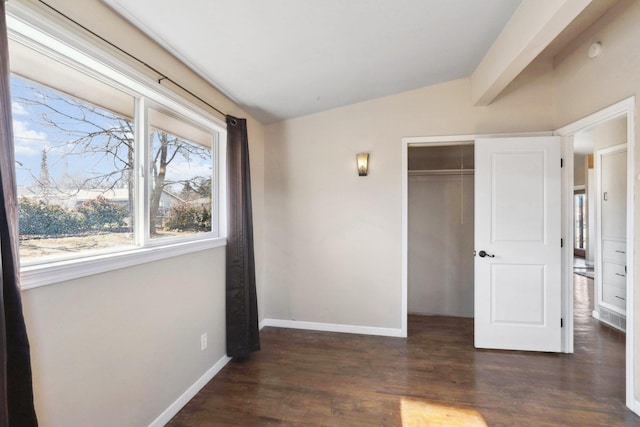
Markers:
434,377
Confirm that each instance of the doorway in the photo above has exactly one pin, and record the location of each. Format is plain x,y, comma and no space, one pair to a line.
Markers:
442,141
441,229
606,131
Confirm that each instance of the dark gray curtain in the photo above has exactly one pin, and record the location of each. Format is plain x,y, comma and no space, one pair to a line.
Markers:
16,393
242,302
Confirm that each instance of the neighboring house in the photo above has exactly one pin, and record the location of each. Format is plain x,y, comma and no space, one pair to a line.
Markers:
70,198
116,195
327,241
200,201
167,200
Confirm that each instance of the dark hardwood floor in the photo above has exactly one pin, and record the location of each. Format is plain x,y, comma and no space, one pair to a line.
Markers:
435,377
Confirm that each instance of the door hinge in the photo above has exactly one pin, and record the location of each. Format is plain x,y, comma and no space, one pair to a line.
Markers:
562,243
561,162
561,322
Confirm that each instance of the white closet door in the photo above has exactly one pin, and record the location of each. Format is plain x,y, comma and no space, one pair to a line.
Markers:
517,233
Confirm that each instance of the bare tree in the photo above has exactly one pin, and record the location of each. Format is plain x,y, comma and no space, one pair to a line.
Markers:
166,150
103,136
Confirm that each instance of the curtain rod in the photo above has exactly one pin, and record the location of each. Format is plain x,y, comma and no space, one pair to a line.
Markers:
150,67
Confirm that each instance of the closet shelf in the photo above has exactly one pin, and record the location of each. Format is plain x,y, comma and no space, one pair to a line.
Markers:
421,172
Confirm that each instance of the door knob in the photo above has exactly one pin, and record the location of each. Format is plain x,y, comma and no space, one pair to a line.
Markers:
484,254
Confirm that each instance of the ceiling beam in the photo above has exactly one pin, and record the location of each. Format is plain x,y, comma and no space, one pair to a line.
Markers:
532,27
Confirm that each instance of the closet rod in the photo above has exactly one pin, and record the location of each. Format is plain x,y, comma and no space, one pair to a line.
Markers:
420,172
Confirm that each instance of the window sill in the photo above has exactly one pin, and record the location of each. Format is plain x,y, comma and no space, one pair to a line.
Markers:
35,276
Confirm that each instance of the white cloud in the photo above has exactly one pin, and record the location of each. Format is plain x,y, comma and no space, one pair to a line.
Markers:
28,142
180,169
18,109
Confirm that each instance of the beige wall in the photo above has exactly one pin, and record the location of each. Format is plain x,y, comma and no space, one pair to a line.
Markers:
333,239
583,86
117,349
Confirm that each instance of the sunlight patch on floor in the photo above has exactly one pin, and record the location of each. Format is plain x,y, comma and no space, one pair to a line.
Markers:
422,414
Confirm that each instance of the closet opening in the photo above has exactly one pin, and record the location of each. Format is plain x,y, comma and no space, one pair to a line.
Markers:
440,229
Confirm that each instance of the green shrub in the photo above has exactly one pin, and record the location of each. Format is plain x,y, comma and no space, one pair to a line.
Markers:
185,216
100,213
39,218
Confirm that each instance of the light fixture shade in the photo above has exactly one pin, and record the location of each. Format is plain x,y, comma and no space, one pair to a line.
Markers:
362,160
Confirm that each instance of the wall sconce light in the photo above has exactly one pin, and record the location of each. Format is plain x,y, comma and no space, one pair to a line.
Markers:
362,160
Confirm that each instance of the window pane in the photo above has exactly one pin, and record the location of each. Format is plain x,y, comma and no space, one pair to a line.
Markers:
181,179
74,163
580,231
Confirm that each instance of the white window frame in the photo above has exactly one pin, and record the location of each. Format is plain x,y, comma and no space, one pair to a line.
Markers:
49,34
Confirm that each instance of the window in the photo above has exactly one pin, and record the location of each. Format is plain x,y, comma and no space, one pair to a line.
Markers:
74,170
109,167
580,232
181,178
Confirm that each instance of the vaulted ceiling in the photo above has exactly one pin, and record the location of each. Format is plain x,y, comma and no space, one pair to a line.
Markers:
280,59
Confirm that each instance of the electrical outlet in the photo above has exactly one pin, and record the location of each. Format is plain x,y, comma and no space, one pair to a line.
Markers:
203,341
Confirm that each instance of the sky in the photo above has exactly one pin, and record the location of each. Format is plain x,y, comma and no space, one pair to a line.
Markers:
68,162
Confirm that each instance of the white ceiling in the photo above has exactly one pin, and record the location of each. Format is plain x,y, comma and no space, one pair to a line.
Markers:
280,59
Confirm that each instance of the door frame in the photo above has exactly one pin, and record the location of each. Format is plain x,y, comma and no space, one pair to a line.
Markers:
426,142
624,108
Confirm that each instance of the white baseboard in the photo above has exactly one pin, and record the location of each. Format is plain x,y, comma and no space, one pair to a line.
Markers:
175,407
595,314
331,327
